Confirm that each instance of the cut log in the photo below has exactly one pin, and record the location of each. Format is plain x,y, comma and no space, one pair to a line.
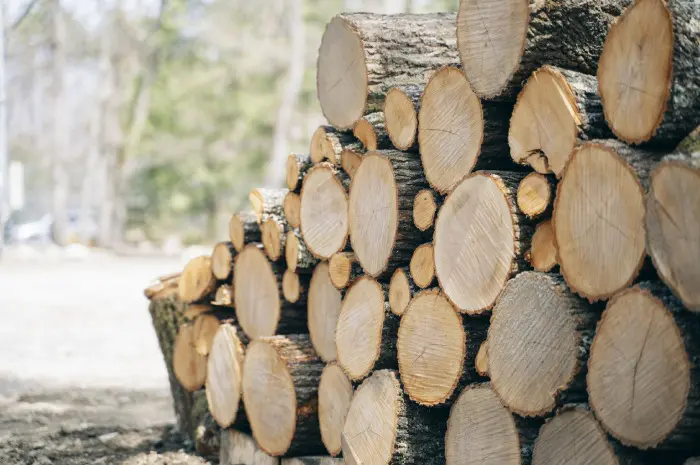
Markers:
280,391
274,236
296,254
350,160
223,296
648,74
599,250
384,427
323,310
456,133
364,55
642,373
481,364
334,396
164,287
260,308
401,290
537,318
192,311
267,203
292,209
240,449
344,268
424,209
222,260
536,195
473,265
401,115
190,367
365,335
328,143
432,367
197,280
499,48
381,201
296,168
295,288
204,329
422,265
543,251
673,225
324,212
480,430
243,229
370,130
224,375
556,109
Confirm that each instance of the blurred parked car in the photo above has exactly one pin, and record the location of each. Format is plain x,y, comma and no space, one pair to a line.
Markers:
41,230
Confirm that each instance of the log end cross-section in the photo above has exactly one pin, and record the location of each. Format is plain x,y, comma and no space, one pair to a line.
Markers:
257,296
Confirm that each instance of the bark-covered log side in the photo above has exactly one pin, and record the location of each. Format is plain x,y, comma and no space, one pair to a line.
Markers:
387,348
371,132
590,108
328,143
244,229
420,434
494,151
297,166
299,258
267,202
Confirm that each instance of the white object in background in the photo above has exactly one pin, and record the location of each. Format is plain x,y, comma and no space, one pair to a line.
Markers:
16,196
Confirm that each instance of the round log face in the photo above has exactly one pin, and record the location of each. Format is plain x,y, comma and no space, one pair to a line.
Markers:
634,70
544,126
369,432
204,329
423,265
324,212
573,437
474,243
599,222
364,131
269,397
480,430
272,238
189,366
236,232
543,253
316,148
424,209
430,368
358,334
291,250
491,39
341,78
400,118
339,269
450,129
292,207
224,375
373,213
534,194
196,280
638,372
256,296
292,172
323,309
334,396
399,292
221,261
673,229
291,288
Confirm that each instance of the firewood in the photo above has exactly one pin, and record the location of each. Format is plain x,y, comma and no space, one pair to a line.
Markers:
364,55
502,43
274,236
222,260
243,229
642,379
323,310
401,108
297,254
481,363
556,109
474,265
365,335
197,280
295,288
648,75
164,287
324,211
370,130
422,265
543,250
383,426
537,318
296,168
192,311
432,370
425,206
457,133
190,367
350,160
223,382
240,449
536,195
401,290
223,296
343,269
204,329
267,203
334,396
327,143
292,209
280,391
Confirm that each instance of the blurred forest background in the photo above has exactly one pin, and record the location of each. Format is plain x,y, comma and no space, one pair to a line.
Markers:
146,121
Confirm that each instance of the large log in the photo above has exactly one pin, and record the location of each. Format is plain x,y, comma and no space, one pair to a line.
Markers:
280,392
364,55
457,133
536,195
222,260
543,251
648,73
502,43
384,427
243,229
473,265
267,203
323,310
296,168
643,374
537,318
240,449
223,382
401,108
197,280
334,396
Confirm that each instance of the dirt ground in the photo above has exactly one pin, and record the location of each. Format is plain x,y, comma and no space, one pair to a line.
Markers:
82,380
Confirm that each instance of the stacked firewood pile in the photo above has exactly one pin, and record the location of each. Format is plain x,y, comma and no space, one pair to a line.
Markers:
490,255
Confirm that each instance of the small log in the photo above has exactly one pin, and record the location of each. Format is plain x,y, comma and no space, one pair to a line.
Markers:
537,318
370,130
543,250
224,296
243,229
481,363
204,329
380,208
383,426
292,209
350,160
344,268
365,335
280,391
602,179
457,133
425,206
163,288
655,93
324,211
401,290
474,265
274,237
297,254
480,430
223,382
363,55
296,168
222,260
267,203
328,143
323,310
334,396
556,109
431,370
192,311
643,376
197,280
295,288
536,195
401,115
240,449
189,366
422,265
